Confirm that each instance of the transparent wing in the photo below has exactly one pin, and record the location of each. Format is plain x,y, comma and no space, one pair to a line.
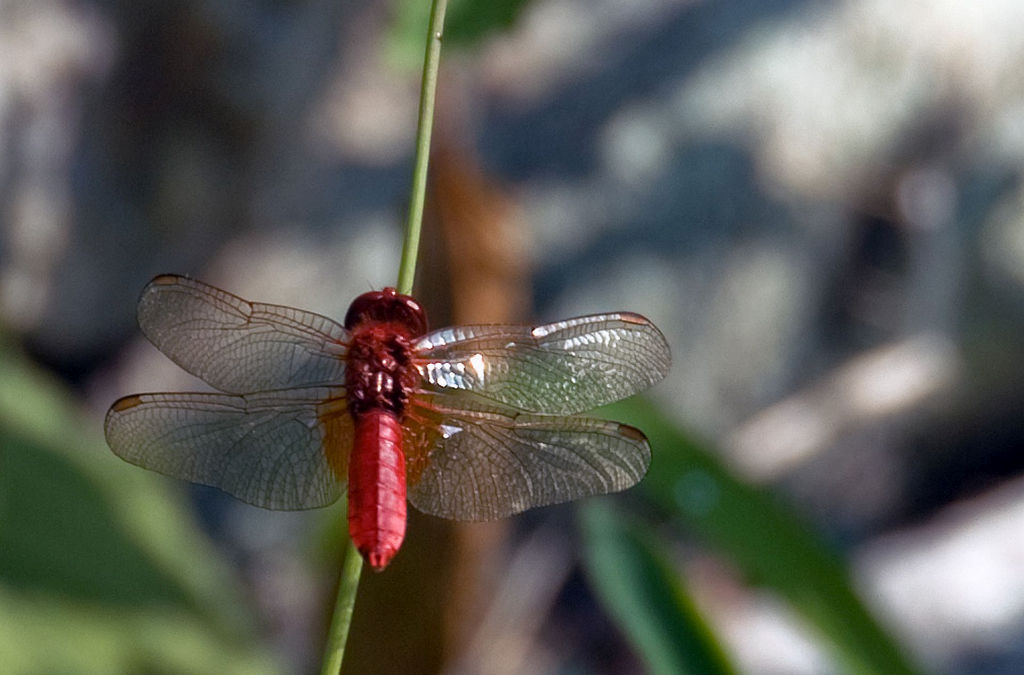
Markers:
489,463
560,368
280,450
238,346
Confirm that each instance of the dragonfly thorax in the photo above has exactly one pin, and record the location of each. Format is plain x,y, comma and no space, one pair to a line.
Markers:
379,373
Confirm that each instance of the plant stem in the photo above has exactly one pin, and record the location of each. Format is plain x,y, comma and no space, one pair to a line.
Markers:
334,651
428,88
352,567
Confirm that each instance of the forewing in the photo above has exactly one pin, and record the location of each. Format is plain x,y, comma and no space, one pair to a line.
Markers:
560,368
239,346
283,450
489,463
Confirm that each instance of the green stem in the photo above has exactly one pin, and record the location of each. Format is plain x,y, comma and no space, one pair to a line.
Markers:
428,88
349,582
343,607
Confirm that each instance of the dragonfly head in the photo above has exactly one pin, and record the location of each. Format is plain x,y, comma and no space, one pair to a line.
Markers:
387,306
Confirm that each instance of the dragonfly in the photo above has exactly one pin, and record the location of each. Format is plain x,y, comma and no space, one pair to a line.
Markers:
474,422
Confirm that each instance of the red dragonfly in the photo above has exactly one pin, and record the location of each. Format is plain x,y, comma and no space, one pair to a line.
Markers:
470,422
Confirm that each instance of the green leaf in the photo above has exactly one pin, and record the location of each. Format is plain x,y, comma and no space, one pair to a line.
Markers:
766,541
61,536
645,596
468,22
101,569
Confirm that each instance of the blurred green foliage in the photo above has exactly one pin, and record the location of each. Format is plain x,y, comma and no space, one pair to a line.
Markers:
645,595
101,570
765,541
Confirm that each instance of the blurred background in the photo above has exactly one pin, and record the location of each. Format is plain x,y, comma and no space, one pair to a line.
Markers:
819,203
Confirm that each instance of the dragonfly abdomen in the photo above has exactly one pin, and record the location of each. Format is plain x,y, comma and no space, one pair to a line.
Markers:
376,487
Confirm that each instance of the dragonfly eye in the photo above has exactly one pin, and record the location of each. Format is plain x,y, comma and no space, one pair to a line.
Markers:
387,306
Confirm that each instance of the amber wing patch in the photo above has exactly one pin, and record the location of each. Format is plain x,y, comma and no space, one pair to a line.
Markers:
338,433
421,430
